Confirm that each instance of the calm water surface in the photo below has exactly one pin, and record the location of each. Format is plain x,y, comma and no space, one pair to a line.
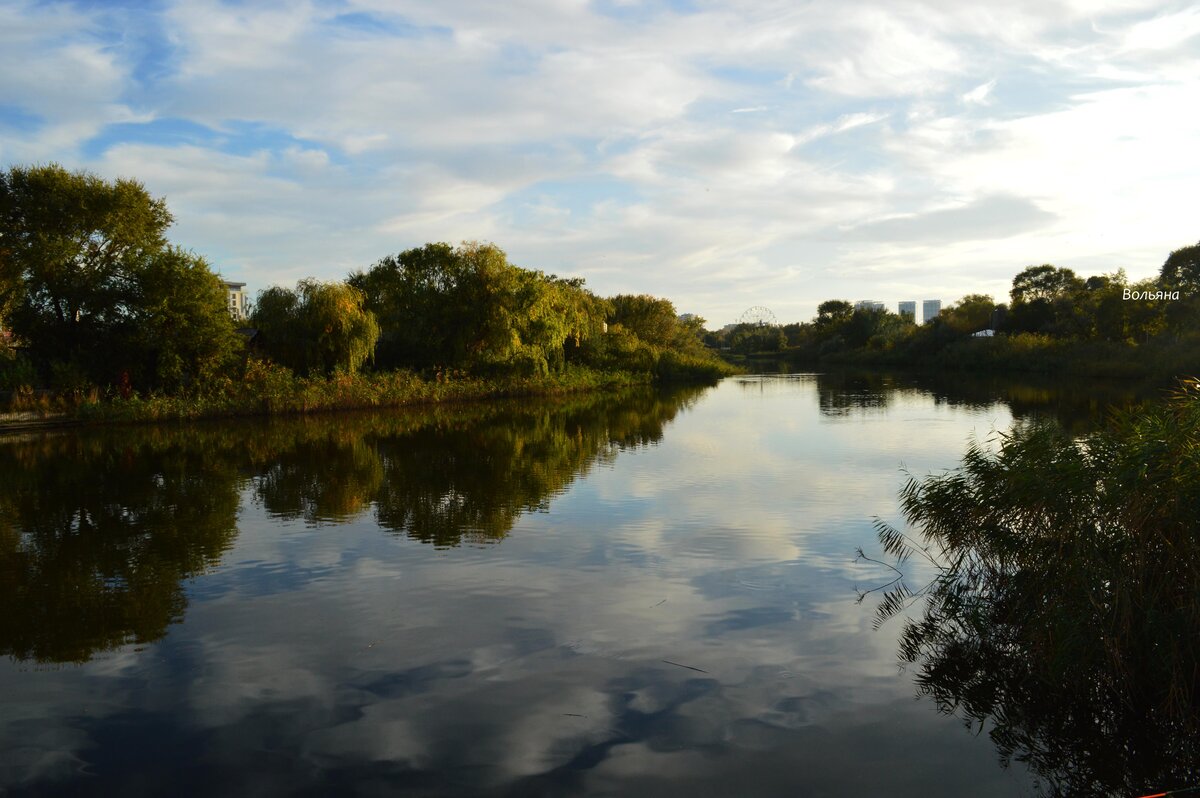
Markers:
644,594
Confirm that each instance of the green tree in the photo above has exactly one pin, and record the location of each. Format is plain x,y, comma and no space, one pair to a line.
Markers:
181,325
1044,299
831,314
468,307
651,319
872,327
1044,282
554,317
415,296
970,314
318,328
1145,319
1105,308
1181,270
70,247
747,339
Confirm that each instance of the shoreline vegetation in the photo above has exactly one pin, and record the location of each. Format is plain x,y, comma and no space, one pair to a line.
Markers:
1156,360
1055,322
1064,610
270,390
102,320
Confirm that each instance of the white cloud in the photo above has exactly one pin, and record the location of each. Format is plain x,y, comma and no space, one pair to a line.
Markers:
704,155
54,68
979,94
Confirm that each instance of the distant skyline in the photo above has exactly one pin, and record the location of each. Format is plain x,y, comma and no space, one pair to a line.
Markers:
720,154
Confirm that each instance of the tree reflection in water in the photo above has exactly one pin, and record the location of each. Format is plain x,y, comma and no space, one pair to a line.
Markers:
99,530
97,535
1065,616
1078,406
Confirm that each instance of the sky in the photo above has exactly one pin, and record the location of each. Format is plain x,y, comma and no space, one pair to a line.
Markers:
724,154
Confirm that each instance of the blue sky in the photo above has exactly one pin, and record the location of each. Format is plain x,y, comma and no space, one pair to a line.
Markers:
722,154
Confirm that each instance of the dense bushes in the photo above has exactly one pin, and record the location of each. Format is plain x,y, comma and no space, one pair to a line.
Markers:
267,388
1065,611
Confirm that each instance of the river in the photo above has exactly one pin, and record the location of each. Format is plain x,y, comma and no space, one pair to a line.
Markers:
648,593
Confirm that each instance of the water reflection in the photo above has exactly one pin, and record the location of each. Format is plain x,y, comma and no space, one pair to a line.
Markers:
1085,726
679,622
325,474
1064,613
447,483
98,531
97,534
1077,406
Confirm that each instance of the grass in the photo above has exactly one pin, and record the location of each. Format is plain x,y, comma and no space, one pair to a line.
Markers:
268,389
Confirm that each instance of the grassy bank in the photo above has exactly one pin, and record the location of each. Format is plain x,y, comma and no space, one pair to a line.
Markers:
268,389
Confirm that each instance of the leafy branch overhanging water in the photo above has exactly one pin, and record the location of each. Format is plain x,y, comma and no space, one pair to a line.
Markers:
1064,615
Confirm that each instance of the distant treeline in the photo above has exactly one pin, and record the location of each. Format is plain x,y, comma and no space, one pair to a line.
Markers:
1055,321
94,301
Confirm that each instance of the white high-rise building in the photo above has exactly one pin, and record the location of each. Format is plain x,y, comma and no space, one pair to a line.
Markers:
237,300
868,304
909,308
930,309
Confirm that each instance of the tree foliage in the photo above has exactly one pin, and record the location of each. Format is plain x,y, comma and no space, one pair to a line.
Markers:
468,307
833,312
970,314
92,288
651,319
72,244
1044,282
1181,270
1065,610
318,328
181,323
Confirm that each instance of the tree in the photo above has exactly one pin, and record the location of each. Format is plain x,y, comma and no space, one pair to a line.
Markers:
319,328
1044,299
1104,306
554,317
181,326
413,295
70,247
874,327
1145,319
971,314
747,339
1044,282
651,319
468,307
832,313
1181,270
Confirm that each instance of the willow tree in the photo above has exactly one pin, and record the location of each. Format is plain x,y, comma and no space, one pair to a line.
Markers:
318,328
468,307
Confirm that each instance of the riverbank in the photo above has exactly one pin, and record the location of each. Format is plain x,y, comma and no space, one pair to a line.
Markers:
267,389
1025,353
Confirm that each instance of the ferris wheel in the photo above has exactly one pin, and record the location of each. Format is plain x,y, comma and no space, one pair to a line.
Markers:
759,316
